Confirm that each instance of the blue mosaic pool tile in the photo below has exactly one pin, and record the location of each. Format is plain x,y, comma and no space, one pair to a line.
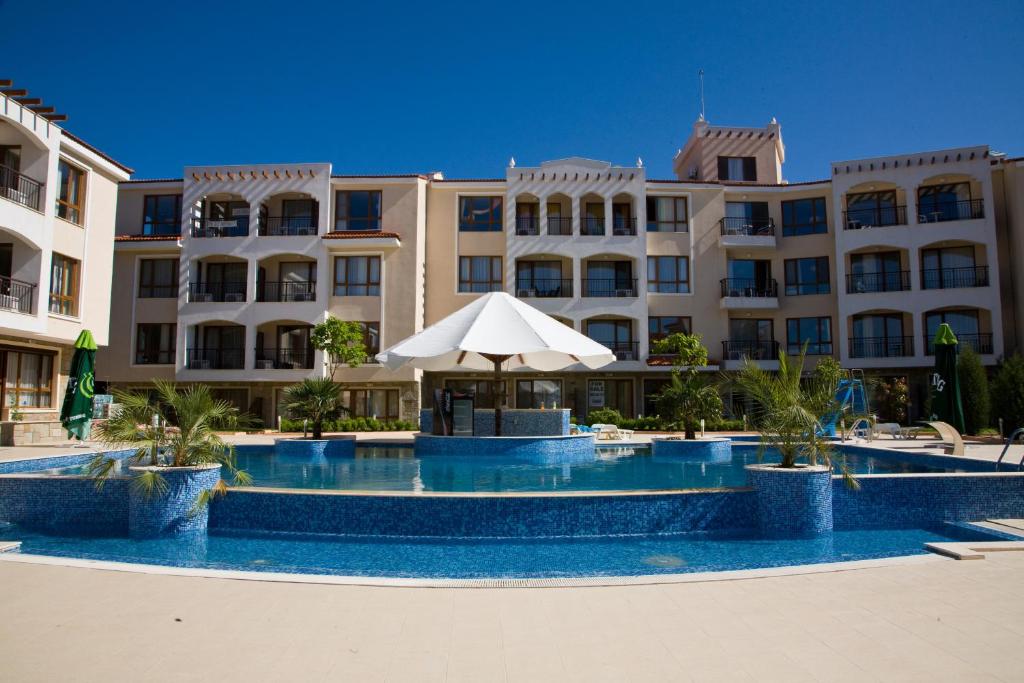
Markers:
65,504
175,511
795,501
533,449
513,422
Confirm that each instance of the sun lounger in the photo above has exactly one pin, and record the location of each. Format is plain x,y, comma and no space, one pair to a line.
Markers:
890,428
611,432
949,437
909,432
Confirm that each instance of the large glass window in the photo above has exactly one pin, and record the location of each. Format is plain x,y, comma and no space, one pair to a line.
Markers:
479,274
815,332
538,393
28,380
377,403
357,276
371,339
737,168
480,214
666,214
661,326
482,390
966,326
653,387
950,267
747,218
668,274
541,279
877,272
879,335
70,192
64,274
804,217
611,393
357,210
155,343
873,209
158,278
609,278
161,214
617,335
807,276
947,202
227,219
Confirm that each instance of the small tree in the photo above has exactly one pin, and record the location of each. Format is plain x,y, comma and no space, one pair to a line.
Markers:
341,342
1008,393
892,398
974,392
688,398
316,399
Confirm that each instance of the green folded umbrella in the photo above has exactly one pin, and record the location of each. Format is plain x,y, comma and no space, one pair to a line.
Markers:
76,413
945,380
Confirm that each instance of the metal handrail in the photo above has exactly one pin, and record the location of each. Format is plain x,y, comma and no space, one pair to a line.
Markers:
218,227
878,217
288,226
953,278
16,295
623,350
881,347
216,291
285,359
592,225
289,290
20,188
165,357
216,359
747,227
738,349
559,225
623,226
749,287
980,343
527,225
609,287
1017,433
957,210
543,287
879,281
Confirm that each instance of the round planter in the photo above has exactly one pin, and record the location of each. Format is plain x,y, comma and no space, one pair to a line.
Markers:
792,500
714,449
313,449
174,512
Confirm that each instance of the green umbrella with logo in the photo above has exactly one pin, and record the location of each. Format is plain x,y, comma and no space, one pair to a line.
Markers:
946,403
76,413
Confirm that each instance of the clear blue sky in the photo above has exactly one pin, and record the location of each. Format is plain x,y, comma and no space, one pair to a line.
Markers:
391,86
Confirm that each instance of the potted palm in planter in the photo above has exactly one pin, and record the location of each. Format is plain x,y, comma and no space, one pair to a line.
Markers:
178,456
794,495
316,400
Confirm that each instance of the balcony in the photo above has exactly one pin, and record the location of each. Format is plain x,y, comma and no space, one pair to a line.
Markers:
869,283
954,278
592,225
292,290
980,343
543,288
20,189
752,349
940,212
881,347
215,359
609,287
288,226
746,232
749,293
16,295
203,292
154,357
623,226
527,225
623,350
284,359
559,225
878,217
211,227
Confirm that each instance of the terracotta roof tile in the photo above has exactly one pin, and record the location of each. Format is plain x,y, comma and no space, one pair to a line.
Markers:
361,234
146,238
89,147
150,180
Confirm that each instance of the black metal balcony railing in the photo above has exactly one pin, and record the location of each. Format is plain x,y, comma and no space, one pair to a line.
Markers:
216,291
881,347
19,188
288,226
220,227
623,226
953,278
543,288
158,291
154,357
939,212
887,281
527,225
286,291
216,359
623,350
747,227
738,349
16,295
610,287
284,359
978,342
749,288
877,217
559,225
591,225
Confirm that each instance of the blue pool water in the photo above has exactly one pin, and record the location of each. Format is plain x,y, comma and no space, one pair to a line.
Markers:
494,558
391,468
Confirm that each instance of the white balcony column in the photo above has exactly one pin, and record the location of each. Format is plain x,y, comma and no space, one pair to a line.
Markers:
250,348
914,266
608,231
577,219
186,340
912,214
252,269
917,333
255,203
542,228
324,278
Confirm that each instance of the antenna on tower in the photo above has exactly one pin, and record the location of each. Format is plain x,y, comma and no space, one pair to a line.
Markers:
700,75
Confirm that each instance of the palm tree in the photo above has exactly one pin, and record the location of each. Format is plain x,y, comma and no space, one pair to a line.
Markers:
689,399
315,399
169,428
786,410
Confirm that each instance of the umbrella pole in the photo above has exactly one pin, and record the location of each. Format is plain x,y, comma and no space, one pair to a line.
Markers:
499,393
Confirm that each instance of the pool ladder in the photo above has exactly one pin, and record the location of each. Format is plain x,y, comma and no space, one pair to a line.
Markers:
867,426
1017,433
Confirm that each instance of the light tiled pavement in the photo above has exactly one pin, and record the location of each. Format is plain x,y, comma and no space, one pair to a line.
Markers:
938,620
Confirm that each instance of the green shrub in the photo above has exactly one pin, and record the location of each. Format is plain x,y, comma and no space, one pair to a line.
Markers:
974,391
358,424
1008,393
605,416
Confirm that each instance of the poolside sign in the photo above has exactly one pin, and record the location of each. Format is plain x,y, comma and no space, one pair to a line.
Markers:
596,393
76,412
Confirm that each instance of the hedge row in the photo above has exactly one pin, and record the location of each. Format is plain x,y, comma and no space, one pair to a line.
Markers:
356,424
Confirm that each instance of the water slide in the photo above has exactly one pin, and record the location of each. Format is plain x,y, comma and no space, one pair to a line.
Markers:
851,398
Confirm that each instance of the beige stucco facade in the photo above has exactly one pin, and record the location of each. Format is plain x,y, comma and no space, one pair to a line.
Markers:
749,262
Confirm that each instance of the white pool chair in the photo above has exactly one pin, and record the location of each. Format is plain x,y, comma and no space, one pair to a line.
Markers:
890,428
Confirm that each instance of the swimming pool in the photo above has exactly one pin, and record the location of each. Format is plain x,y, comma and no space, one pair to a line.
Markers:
501,558
396,468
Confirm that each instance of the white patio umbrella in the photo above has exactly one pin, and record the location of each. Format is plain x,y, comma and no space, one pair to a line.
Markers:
495,330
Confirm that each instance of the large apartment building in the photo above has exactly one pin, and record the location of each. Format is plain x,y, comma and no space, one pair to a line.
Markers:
57,199
219,275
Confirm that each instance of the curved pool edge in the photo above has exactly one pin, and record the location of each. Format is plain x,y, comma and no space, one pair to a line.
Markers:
555,582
